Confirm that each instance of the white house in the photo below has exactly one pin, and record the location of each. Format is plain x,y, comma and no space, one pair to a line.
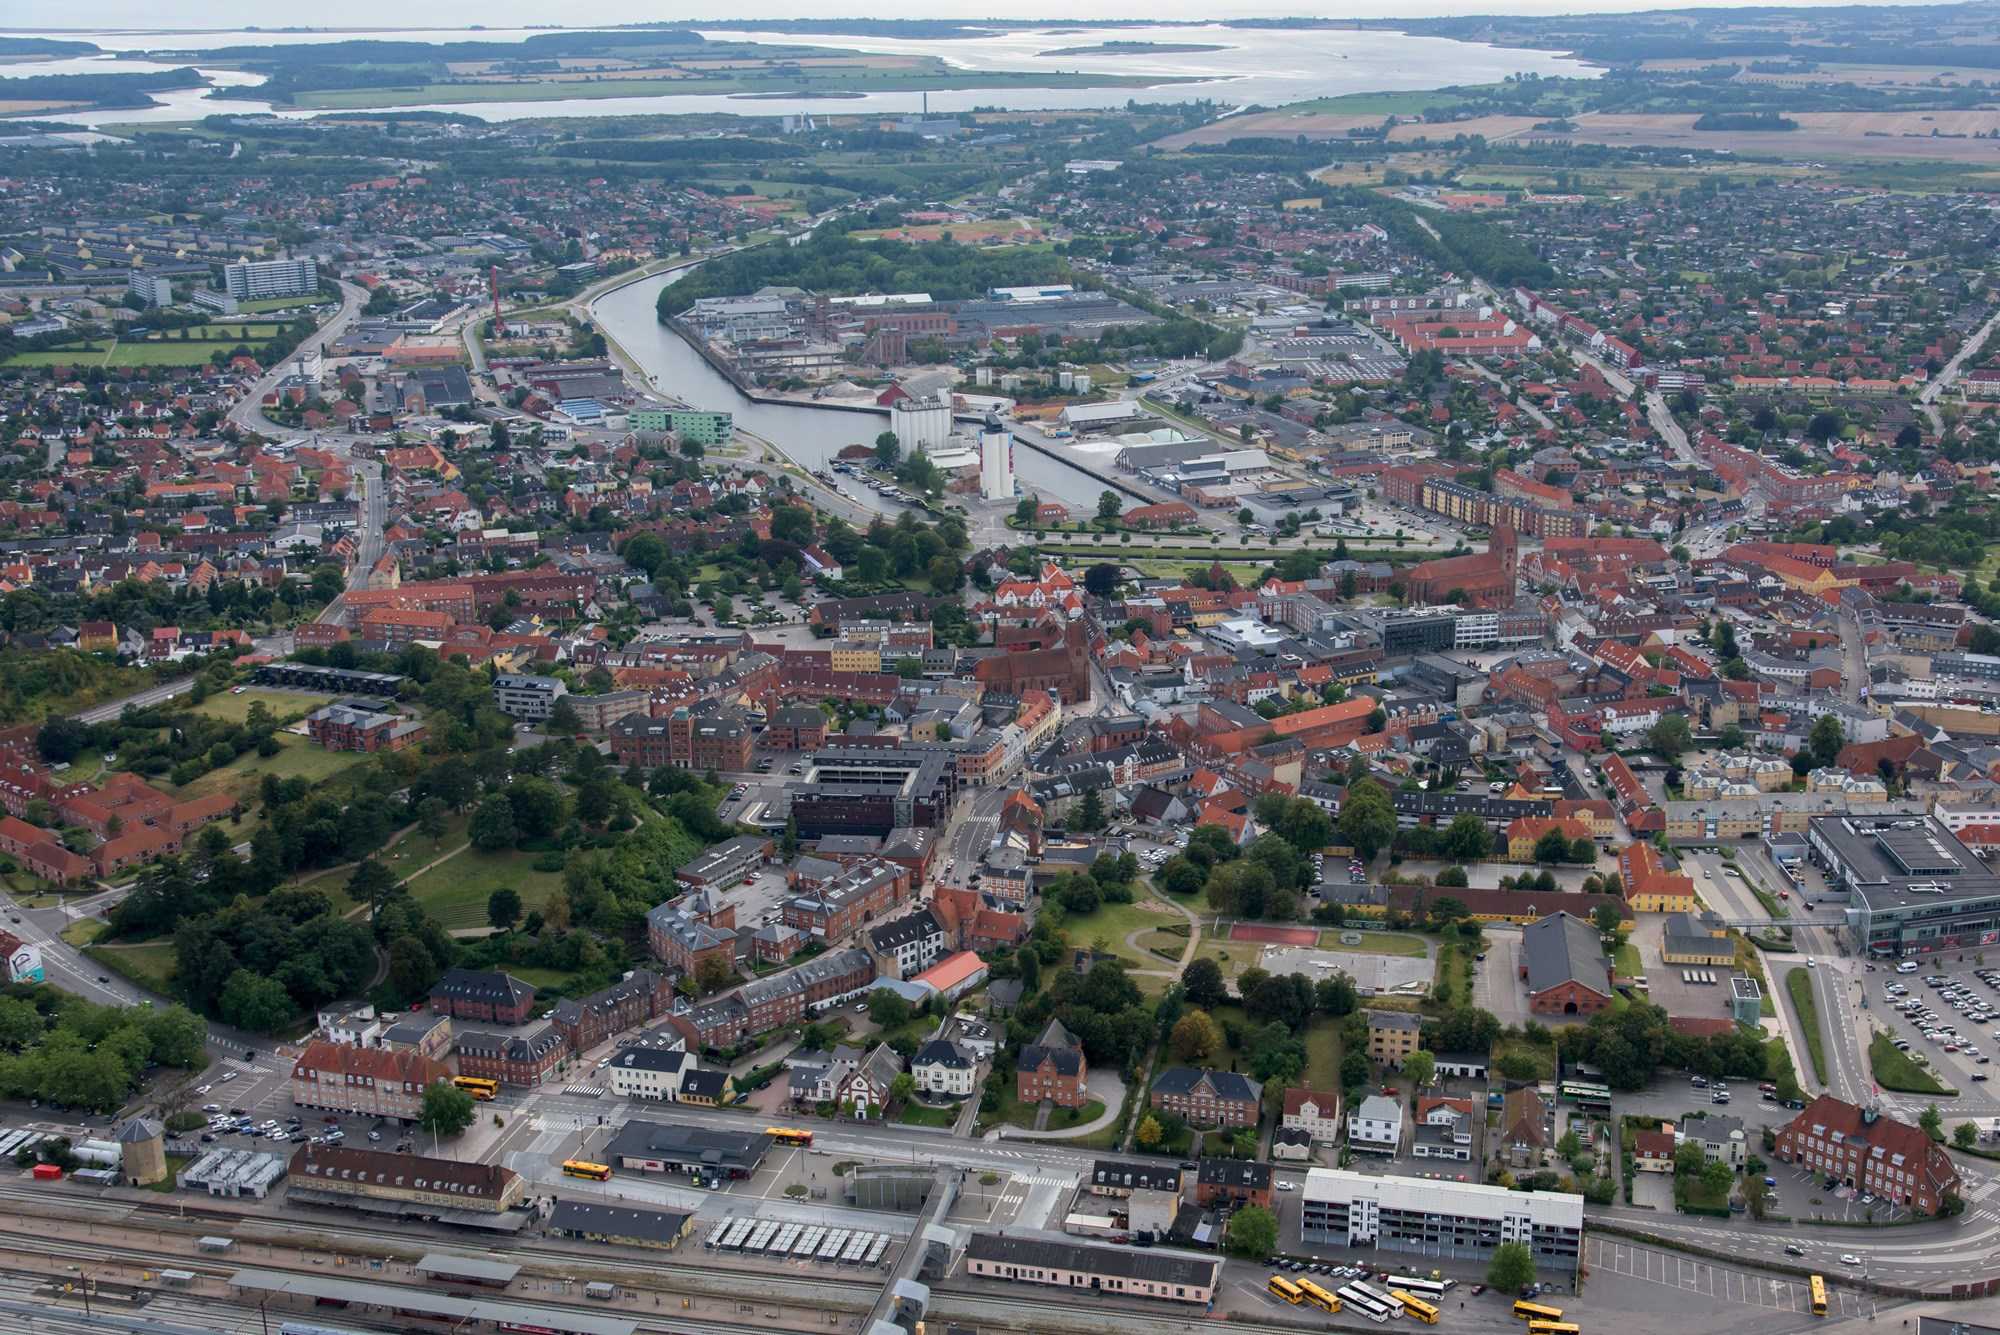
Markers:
1376,1127
648,1073
1314,1111
944,1068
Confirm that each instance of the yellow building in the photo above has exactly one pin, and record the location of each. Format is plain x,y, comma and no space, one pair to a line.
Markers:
1393,1035
847,656
1697,941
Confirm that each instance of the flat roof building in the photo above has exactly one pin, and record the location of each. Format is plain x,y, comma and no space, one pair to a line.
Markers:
1439,1218
1912,887
672,1147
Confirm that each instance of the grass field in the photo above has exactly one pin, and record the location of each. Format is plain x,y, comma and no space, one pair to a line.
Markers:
455,891
922,1114
1627,962
1322,1054
149,965
1112,923
1798,986
143,353
1895,1070
297,758
1544,1057
282,704
262,304
1377,943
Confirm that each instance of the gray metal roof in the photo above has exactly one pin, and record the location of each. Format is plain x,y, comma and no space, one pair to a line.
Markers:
1562,948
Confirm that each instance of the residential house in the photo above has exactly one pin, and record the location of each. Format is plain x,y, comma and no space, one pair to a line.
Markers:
1315,1112
1393,1035
1202,1097
1376,1126
1053,1068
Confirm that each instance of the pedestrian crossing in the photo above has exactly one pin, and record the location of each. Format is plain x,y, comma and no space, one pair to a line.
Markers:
585,1091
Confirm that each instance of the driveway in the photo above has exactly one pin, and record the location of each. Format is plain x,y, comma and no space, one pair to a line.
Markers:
1496,984
1105,1085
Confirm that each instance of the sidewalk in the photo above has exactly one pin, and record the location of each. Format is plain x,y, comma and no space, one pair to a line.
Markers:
1103,1085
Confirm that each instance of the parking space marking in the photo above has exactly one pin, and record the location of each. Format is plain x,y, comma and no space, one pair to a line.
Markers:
1730,1285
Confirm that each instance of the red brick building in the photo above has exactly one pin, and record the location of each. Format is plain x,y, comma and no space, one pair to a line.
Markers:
687,738
523,1060
796,728
340,728
1207,1098
1861,1148
486,995
1053,1068
842,906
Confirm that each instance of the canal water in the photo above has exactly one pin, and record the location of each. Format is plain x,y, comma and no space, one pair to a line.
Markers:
812,436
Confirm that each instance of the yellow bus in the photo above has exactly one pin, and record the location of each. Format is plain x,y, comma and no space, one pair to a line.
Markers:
1818,1295
1554,1328
1280,1287
1318,1296
786,1135
480,1088
1417,1307
1528,1311
596,1172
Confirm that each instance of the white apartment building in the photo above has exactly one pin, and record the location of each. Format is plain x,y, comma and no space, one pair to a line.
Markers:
1439,1218
1376,1127
648,1073
522,696
253,280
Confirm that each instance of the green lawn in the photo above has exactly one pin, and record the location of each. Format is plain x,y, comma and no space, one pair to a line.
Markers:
1544,1057
1627,962
1108,927
1377,943
1798,985
1895,1070
455,891
1323,1054
283,705
84,931
922,1114
149,965
297,758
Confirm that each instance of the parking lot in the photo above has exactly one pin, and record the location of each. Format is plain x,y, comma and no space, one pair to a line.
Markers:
1804,1196
1960,1010
1608,1256
1496,981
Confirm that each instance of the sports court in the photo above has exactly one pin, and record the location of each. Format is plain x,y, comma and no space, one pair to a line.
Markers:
1276,936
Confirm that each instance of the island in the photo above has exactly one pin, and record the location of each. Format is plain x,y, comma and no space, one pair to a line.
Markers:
1136,49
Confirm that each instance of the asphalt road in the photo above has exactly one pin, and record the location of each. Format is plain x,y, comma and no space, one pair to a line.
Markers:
248,413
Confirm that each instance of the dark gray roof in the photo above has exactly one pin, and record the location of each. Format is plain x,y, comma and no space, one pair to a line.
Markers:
678,1143
1562,949
1153,1265
617,1221
1229,1086
1135,1176
1242,1173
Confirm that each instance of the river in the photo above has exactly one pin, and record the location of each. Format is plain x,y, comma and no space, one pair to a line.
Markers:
811,436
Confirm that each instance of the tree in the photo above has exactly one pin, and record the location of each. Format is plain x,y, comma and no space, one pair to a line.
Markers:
903,1088
1965,1135
1253,1232
62,740
1421,1067
1932,1123
1353,1069
431,817
888,449
1108,504
1367,820
1024,511
1089,813
712,974
1689,1160
1203,984
446,1110
1195,1036
503,909
1552,847
1606,917
372,884
1149,1132
1101,580
254,1002
594,801
492,827
1717,1176
1670,736
1512,1267
1466,839
1823,743
887,1009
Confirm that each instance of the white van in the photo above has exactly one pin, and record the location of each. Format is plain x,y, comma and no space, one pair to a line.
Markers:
1907,966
